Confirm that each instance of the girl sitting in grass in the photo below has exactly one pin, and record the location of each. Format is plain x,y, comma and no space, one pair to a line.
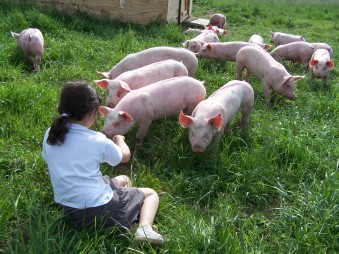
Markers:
74,153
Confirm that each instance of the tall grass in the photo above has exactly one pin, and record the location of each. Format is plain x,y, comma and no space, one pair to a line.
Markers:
273,189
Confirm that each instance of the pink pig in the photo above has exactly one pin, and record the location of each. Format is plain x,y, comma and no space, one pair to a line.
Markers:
152,55
31,41
130,80
216,30
222,50
218,20
157,101
257,39
322,45
212,115
296,52
321,63
195,44
272,73
279,38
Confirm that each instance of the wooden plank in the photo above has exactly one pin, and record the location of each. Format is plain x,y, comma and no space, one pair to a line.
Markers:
145,11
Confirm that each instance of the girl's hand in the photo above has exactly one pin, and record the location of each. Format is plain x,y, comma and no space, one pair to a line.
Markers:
118,138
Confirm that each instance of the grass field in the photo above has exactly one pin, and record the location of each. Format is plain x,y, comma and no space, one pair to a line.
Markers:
273,189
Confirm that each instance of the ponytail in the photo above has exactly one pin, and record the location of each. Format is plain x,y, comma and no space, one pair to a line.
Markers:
58,130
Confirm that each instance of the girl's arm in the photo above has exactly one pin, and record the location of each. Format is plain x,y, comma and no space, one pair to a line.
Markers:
119,140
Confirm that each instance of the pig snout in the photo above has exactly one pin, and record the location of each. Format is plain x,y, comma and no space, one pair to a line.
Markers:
198,149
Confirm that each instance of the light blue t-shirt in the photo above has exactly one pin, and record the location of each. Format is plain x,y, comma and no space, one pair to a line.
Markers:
74,167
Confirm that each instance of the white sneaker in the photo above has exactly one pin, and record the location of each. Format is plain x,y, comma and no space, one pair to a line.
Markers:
146,233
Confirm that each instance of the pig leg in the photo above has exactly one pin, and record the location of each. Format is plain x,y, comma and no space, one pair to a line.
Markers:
245,115
141,133
324,79
247,77
239,68
267,93
216,140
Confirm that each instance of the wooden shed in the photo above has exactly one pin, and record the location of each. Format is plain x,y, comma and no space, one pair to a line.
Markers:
135,11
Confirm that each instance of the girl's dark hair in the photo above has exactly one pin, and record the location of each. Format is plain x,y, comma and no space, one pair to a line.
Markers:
76,100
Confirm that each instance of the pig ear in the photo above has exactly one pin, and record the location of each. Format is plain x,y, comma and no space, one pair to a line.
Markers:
330,64
267,46
125,115
124,85
15,35
209,46
104,74
103,83
184,120
296,78
216,121
312,62
103,110
210,27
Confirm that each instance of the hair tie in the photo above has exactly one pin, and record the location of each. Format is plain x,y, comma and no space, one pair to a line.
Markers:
64,115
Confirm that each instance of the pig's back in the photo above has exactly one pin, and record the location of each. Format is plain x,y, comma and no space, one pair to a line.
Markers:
166,97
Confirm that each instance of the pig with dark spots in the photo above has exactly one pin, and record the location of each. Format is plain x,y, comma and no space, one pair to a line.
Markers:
159,100
152,55
296,52
321,64
211,116
130,80
31,41
273,74
218,20
279,38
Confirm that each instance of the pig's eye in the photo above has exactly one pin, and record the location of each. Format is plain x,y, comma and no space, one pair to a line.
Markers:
119,94
116,125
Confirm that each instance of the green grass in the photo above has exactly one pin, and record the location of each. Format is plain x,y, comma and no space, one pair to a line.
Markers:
273,189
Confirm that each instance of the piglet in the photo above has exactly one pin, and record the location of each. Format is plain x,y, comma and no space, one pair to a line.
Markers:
130,80
296,52
31,41
322,45
226,51
216,30
321,63
257,39
152,55
279,38
205,37
218,20
272,73
212,115
157,101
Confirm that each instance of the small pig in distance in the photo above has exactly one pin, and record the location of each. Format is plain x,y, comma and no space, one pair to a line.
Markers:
159,100
257,39
211,116
134,79
195,44
279,38
321,64
31,41
218,20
